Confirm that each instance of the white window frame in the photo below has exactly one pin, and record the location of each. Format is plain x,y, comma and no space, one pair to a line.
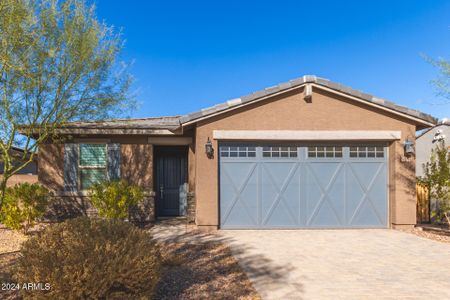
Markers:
292,151
335,149
365,149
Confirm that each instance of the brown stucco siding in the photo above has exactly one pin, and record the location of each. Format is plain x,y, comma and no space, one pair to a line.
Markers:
51,166
137,164
403,196
290,112
136,161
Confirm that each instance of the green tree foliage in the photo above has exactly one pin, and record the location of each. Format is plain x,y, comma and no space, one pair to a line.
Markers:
437,178
58,63
113,199
86,258
442,83
24,204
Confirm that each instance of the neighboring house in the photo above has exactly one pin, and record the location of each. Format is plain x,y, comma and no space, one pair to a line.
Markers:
308,153
428,140
28,174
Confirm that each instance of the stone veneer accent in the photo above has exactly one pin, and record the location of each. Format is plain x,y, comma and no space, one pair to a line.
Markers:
144,212
65,207
190,207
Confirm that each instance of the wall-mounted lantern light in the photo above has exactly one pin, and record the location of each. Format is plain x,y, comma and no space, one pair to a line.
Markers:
409,147
209,149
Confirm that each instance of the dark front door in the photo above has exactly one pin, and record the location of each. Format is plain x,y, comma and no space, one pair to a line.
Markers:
171,173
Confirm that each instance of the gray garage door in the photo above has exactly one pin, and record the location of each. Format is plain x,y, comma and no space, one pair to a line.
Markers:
291,186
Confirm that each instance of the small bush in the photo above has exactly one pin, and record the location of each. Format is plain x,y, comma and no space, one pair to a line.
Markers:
87,258
24,204
113,199
437,179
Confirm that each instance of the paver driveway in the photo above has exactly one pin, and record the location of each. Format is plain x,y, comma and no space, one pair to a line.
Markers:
342,264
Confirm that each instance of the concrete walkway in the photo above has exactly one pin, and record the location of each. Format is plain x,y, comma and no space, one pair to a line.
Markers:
342,264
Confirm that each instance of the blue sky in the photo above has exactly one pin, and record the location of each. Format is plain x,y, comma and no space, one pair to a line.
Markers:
193,54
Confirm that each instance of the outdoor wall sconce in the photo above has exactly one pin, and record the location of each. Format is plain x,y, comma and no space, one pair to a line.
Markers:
209,149
409,147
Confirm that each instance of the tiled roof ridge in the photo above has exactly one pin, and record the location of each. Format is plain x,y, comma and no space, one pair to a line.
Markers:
298,82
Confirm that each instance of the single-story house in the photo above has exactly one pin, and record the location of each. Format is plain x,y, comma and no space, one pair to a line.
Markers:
308,153
28,174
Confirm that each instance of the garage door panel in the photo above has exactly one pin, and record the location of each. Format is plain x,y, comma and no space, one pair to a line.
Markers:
324,172
292,195
279,216
324,216
365,172
239,188
249,196
240,217
277,173
367,193
313,195
336,196
366,216
238,172
377,195
280,194
301,190
354,195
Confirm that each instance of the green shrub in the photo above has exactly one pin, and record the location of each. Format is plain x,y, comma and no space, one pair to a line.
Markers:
24,204
86,258
437,179
113,199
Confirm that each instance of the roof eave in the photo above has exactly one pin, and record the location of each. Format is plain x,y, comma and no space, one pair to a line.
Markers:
115,131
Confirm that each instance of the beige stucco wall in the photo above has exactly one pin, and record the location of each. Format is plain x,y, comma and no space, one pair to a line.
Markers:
290,112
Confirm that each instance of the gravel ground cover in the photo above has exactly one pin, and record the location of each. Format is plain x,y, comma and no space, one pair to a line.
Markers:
202,271
432,235
10,242
206,270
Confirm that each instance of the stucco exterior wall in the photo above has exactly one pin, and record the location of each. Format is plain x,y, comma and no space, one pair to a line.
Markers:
290,112
136,161
51,166
19,178
137,164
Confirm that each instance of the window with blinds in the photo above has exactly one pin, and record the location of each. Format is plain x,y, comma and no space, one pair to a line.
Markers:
92,164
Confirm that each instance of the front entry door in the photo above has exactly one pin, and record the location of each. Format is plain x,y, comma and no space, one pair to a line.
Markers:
171,174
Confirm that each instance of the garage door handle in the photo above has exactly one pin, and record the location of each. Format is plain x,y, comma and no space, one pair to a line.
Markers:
161,192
